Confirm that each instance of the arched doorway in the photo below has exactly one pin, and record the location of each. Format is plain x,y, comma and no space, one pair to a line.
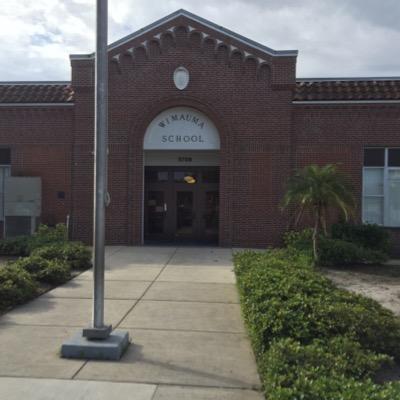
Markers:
181,178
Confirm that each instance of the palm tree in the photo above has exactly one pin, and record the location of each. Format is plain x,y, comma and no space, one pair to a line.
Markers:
316,189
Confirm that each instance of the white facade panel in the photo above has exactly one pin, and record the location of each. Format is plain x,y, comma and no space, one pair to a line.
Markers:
181,128
22,196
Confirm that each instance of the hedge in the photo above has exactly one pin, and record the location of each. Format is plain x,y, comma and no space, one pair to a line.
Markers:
336,369
24,245
17,246
312,340
47,257
53,272
369,236
75,254
339,250
16,286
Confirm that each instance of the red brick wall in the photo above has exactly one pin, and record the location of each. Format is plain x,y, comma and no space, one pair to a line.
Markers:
339,133
251,109
40,139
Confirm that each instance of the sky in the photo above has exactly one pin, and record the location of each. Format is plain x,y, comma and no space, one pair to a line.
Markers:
335,38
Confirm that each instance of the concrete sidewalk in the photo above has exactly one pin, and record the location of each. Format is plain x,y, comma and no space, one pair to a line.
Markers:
180,306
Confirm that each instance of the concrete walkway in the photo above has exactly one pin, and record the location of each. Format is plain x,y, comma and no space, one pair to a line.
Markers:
180,306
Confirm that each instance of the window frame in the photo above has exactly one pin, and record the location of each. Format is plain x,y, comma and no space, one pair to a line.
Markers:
3,169
385,194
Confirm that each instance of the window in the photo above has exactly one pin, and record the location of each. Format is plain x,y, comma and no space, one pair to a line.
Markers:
152,175
381,186
5,170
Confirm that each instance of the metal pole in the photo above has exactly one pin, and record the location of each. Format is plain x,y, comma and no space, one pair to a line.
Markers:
104,345
98,329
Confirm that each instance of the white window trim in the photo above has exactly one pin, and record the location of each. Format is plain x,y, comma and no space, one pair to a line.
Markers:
3,167
385,195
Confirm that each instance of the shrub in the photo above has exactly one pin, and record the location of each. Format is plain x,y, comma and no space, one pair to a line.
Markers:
311,339
55,273
339,356
75,254
369,236
18,246
24,245
46,271
338,369
284,298
337,252
16,286
50,251
47,235
334,251
50,261
299,240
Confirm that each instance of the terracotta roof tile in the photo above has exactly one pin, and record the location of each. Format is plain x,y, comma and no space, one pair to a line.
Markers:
33,92
368,89
306,90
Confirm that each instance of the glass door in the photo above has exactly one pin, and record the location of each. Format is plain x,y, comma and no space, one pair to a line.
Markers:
155,213
185,215
182,204
211,215
156,204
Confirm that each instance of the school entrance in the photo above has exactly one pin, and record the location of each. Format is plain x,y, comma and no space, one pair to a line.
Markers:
181,178
181,204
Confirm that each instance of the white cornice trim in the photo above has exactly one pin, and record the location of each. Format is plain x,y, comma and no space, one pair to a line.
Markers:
81,56
37,104
322,102
16,83
200,20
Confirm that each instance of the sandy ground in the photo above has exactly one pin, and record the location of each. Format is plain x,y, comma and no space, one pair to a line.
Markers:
381,283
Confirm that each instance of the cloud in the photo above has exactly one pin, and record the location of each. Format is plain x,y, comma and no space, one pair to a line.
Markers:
334,38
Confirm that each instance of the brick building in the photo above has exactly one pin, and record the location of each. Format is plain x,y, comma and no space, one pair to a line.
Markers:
205,127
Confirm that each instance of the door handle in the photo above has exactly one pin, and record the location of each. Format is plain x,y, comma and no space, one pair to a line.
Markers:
165,207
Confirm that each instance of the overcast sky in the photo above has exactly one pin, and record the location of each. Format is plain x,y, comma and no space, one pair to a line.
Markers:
334,37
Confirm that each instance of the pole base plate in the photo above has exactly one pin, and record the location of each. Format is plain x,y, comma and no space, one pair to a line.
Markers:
110,348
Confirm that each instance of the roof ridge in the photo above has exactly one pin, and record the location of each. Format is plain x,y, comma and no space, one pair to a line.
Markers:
200,20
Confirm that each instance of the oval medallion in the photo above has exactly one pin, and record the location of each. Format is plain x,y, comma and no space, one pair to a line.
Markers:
181,78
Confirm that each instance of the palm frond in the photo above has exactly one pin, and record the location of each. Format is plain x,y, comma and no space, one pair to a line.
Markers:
315,187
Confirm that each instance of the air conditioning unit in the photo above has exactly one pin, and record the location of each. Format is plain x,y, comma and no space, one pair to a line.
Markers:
22,205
